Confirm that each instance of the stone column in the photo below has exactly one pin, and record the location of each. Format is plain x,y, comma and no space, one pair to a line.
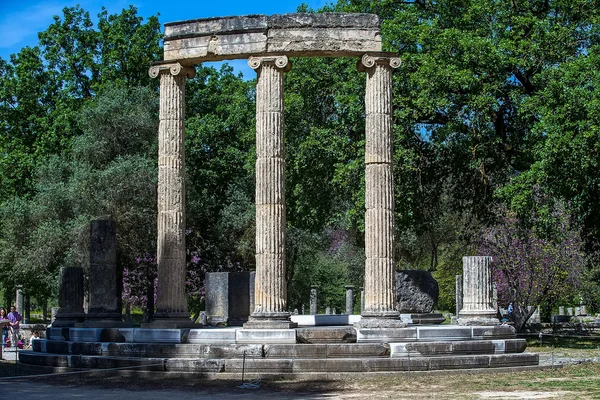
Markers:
270,281
379,194
104,305
70,298
349,299
478,306
19,303
171,302
459,293
313,300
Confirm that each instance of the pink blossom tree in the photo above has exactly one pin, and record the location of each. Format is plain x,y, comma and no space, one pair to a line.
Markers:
529,269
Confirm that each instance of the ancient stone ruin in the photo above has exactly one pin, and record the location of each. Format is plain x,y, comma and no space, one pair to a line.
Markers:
378,340
267,42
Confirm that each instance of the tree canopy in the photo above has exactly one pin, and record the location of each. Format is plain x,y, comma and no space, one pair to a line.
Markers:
496,107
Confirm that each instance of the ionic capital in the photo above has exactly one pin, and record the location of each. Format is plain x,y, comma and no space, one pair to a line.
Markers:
370,59
281,62
173,68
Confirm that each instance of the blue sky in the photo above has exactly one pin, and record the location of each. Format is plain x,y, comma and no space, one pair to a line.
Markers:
21,20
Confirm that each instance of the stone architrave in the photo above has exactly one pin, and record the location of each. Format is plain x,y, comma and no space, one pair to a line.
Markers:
379,278
349,299
313,300
103,302
171,301
70,298
459,293
478,306
270,308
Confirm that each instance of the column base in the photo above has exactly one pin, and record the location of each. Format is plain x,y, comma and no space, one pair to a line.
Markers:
67,321
371,321
477,318
278,320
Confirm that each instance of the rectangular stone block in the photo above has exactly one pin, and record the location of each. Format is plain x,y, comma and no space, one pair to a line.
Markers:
125,349
49,360
499,346
494,332
397,364
217,47
328,365
389,335
416,349
211,336
39,346
273,365
265,336
157,335
473,347
216,26
58,347
343,350
227,297
231,350
57,333
514,360
125,334
447,332
515,345
189,365
338,334
85,334
142,364
300,34
86,348
295,350
459,362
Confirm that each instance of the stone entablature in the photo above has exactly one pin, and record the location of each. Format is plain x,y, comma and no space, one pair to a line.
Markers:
299,34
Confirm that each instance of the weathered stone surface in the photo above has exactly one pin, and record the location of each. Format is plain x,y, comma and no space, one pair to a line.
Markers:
70,297
104,295
478,299
339,334
416,291
227,297
171,303
299,34
379,195
270,297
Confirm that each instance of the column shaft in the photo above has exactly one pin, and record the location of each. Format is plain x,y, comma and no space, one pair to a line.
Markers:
379,193
270,281
478,306
171,300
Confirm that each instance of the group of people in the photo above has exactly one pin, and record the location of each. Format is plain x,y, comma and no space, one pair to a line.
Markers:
10,330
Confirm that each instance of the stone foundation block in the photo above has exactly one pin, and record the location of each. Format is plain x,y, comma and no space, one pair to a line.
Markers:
215,336
157,335
265,336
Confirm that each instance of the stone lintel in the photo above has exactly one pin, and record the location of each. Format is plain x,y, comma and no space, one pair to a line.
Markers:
299,34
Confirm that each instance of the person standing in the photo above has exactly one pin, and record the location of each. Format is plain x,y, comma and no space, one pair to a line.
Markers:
4,318
14,319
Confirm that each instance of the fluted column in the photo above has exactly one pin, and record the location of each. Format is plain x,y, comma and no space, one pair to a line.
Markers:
478,306
171,302
270,296
379,192
70,297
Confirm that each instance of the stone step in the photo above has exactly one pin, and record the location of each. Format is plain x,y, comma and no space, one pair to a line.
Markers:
416,349
171,350
283,366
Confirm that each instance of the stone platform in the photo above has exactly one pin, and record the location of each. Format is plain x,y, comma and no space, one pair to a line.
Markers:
282,352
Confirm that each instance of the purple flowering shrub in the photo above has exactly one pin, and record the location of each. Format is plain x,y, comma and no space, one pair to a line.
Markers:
530,269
